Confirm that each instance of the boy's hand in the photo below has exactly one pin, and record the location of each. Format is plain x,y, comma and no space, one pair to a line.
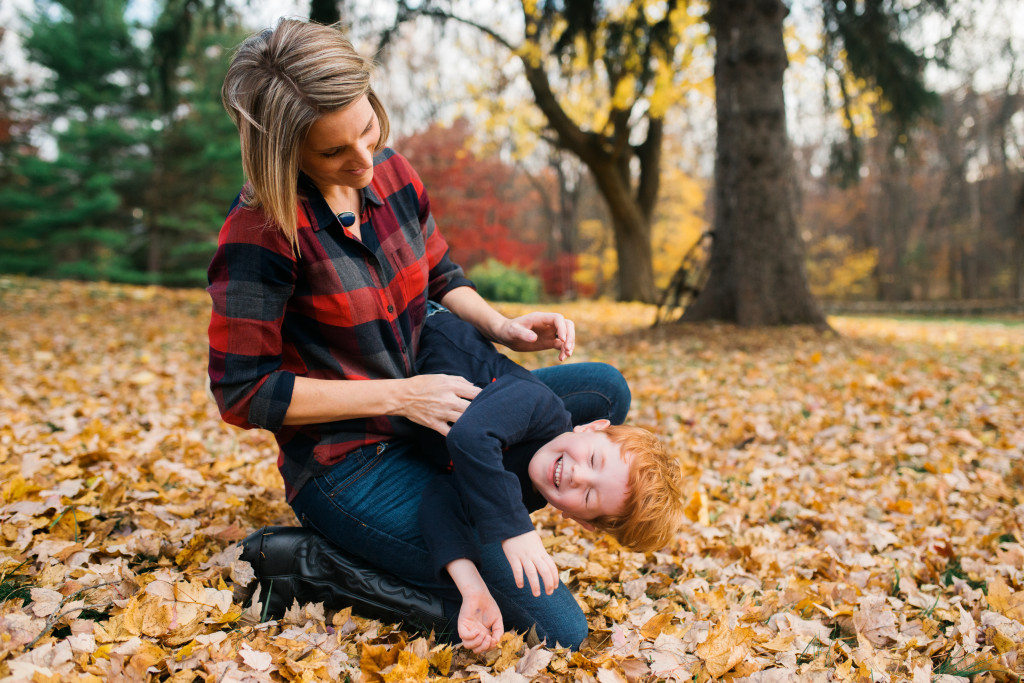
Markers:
480,624
527,556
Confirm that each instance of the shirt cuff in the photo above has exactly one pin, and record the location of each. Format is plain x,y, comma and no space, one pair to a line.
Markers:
498,529
270,404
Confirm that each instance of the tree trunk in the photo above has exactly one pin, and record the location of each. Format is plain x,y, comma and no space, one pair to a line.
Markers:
758,275
632,231
630,207
1018,246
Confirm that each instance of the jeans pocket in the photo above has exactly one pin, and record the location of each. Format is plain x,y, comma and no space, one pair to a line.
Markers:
356,465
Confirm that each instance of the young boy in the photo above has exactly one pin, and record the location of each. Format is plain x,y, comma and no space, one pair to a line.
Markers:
513,451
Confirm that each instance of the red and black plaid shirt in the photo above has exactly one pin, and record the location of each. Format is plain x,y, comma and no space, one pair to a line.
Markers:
344,309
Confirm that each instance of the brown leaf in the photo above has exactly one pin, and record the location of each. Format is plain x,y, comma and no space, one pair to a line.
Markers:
535,660
655,625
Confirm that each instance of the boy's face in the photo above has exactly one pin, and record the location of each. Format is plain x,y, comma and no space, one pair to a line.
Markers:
582,473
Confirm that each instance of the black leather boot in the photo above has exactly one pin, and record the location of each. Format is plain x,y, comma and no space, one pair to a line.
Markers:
295,563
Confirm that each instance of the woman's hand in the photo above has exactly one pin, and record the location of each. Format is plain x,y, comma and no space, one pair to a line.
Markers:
538,331
436,401
526,555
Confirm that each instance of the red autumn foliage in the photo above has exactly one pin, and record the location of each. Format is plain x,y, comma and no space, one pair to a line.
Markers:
478,202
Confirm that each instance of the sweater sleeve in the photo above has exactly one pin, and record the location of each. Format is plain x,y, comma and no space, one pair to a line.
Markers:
509,410
445,526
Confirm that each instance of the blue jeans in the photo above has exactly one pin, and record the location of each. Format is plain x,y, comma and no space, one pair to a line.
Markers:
368,504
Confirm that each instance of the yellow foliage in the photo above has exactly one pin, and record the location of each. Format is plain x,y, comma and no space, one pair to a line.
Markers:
837,272
679,222
624,91
864,99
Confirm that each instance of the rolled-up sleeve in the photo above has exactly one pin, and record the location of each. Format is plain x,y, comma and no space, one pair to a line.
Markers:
252,277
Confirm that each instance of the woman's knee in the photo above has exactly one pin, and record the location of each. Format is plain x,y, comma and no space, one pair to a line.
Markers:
617,390
590,391
570,632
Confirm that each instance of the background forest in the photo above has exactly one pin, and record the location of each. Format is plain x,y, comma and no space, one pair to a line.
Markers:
119,162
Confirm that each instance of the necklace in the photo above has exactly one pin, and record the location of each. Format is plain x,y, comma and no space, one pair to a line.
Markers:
348,218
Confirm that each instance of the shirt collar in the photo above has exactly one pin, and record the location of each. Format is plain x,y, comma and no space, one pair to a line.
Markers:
322,213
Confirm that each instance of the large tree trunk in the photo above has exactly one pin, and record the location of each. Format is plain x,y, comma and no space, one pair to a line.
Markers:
758,276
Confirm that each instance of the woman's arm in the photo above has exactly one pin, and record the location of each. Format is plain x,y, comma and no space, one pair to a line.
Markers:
429,400
530,332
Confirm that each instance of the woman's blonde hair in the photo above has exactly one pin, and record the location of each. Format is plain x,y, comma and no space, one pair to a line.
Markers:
280,82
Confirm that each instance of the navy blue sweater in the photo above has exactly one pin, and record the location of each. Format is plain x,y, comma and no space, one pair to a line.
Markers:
489,448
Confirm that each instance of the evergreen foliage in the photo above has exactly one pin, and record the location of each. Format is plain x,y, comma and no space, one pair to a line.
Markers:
137,163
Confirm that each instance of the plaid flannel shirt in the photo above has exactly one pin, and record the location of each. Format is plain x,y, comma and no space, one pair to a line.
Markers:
343,309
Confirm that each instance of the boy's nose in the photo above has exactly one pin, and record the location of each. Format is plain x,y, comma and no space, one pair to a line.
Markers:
580,476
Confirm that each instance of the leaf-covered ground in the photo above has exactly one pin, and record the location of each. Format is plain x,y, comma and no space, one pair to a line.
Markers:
854,512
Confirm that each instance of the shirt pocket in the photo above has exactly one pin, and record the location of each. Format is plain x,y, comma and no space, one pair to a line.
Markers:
411,273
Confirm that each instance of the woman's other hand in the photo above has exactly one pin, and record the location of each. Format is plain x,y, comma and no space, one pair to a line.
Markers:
436,401
539,331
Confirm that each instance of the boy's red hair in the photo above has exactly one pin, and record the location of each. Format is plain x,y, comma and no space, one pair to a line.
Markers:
655,504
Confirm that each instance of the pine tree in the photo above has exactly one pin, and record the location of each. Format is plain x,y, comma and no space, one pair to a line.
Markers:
71,214
146,162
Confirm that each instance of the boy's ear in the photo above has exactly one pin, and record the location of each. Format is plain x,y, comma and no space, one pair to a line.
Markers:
595,426
586,525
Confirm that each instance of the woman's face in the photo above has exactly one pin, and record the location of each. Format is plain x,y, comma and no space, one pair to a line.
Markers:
338,151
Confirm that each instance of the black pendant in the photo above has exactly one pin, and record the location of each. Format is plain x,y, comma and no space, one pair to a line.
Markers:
347,218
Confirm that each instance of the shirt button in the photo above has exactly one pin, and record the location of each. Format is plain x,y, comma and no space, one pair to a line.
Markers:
391,309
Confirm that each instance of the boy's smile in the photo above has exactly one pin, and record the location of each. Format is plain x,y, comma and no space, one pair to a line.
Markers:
582,473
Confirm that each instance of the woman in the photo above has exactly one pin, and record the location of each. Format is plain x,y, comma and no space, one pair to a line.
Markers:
320,283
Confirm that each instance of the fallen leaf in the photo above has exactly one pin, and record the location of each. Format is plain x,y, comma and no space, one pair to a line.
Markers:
724,648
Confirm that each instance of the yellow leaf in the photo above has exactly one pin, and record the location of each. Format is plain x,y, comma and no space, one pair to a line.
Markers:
724,648
697,508
780,643
409,669
1005,601
1002,643
511,646
147,655
441,659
